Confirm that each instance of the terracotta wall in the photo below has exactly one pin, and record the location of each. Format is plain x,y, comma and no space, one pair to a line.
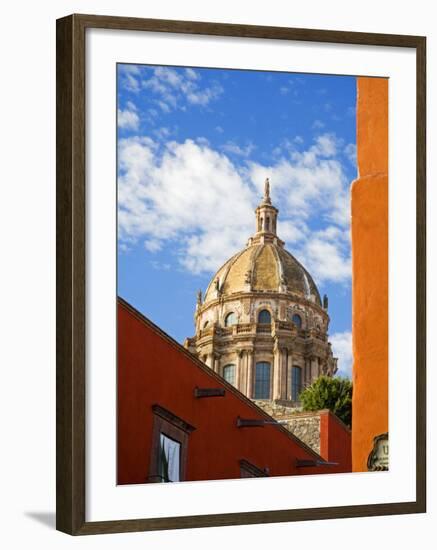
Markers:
370,270
335,442
155,370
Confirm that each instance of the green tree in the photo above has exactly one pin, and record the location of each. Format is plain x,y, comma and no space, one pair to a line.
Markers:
333,393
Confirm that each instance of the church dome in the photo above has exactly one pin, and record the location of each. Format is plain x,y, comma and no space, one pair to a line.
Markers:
261,324
263,267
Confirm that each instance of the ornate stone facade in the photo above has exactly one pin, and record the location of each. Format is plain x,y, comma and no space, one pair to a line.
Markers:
261,324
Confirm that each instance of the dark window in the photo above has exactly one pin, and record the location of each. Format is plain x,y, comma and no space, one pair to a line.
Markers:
169,460
264,317
205,324
169,448
229,374
267,224
297,320
296,383
247,469
230,319
262,381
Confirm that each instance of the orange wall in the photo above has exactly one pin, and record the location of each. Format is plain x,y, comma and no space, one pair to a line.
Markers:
370,270
153,370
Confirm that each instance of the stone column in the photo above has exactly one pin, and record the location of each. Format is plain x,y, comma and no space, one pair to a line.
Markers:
238,364
216,362
307,371
276,373
241,382
288,375
249,386
284,373
314,368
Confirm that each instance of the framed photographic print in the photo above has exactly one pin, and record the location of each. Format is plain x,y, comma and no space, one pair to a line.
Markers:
240,274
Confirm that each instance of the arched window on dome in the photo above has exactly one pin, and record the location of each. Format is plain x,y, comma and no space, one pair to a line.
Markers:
296,383
297,320
229,374
262,381
205,324
264,317
267,223
230,319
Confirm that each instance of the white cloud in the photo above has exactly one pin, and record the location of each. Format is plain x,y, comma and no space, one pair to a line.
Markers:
163,105
326,260
292,232
235,149
183,195
326,254
291,87
309,181
160,266
129,77
175,88
351,152
342,348
128,118
199,201
203,97
162,133
326,145
318,124
192,74
153,245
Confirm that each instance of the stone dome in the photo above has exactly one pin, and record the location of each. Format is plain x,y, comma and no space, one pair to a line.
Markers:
261,324
263,267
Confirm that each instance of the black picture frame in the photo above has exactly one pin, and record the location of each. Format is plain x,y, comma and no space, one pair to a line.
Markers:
71,274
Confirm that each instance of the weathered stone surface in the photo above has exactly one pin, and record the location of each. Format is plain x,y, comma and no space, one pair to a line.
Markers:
266,270
307,429
304,425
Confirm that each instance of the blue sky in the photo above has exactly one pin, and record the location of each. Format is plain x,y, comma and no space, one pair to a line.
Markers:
194,148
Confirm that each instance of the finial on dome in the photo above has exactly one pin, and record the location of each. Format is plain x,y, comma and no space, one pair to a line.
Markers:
267,191
266,217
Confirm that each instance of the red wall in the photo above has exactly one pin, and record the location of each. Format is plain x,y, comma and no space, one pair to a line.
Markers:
335,442
153,369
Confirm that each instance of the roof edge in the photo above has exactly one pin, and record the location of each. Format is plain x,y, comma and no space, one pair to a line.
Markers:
142,318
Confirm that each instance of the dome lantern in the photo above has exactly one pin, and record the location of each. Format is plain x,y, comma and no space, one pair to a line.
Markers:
266,213
266,216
